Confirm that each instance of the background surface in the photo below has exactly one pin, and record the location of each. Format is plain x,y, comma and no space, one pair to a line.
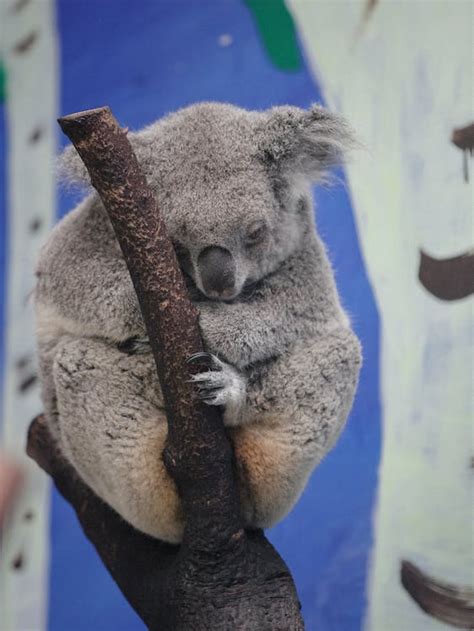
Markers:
383,64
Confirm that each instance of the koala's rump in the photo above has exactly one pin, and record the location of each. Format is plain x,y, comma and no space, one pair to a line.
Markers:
112,429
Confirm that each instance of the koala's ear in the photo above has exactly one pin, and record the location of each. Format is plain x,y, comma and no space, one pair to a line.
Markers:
304,143
70,168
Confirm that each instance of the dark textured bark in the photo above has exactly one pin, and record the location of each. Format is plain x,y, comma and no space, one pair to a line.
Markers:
220,577
198,447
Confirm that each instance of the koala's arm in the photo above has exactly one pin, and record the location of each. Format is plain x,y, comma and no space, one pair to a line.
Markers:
298,301
83,284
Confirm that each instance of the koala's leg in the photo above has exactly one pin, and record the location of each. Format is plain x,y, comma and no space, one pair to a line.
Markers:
113,430
298,407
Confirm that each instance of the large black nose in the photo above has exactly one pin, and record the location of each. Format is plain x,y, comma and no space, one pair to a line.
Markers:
217,269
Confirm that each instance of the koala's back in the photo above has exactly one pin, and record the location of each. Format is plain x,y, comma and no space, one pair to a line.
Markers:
83,285
83,238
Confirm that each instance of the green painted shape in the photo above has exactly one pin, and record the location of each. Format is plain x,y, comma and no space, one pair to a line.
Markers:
277,31
3,83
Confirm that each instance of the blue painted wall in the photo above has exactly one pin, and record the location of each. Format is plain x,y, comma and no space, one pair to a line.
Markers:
144,60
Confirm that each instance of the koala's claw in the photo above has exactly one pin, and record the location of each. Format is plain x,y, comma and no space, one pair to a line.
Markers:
135,346
220,385
206,359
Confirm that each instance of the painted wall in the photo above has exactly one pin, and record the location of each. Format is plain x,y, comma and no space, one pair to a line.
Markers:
405,93
372,502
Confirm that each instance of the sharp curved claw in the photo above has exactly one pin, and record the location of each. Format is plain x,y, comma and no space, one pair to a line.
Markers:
213,401
206,359
134,346
204,390
207,397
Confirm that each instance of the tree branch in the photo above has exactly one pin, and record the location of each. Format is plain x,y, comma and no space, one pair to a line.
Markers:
198,448
220,577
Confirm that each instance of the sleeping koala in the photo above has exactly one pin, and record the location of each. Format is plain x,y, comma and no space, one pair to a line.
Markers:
234,188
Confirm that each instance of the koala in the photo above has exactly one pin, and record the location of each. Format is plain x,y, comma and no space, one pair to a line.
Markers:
235,190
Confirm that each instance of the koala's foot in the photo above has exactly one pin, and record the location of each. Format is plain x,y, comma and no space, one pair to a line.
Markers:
135,346
222,385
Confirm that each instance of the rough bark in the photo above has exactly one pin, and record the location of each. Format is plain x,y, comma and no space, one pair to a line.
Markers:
220,577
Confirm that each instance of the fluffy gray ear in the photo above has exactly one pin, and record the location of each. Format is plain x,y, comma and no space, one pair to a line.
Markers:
71,170
304,143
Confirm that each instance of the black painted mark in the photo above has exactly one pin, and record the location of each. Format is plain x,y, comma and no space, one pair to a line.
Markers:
28,516
28,383
367,12
35,224
463,138
17,561
35,135
369,9
22,362
447,279
23,45
448,603
19,5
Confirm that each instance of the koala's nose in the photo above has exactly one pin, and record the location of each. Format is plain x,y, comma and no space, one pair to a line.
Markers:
217,269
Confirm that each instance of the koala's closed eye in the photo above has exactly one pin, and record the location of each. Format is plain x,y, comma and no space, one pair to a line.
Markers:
255,233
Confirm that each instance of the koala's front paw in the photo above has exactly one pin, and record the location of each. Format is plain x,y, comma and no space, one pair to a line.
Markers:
222,385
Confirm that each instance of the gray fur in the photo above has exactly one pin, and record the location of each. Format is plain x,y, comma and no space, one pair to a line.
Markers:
288,362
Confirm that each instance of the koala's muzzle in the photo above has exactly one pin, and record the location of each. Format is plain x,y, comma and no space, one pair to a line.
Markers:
217,270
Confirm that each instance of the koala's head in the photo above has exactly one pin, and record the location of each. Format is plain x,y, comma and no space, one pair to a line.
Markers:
234,186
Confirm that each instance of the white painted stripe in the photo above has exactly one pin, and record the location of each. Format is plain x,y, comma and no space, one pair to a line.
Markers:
30,111
405,81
